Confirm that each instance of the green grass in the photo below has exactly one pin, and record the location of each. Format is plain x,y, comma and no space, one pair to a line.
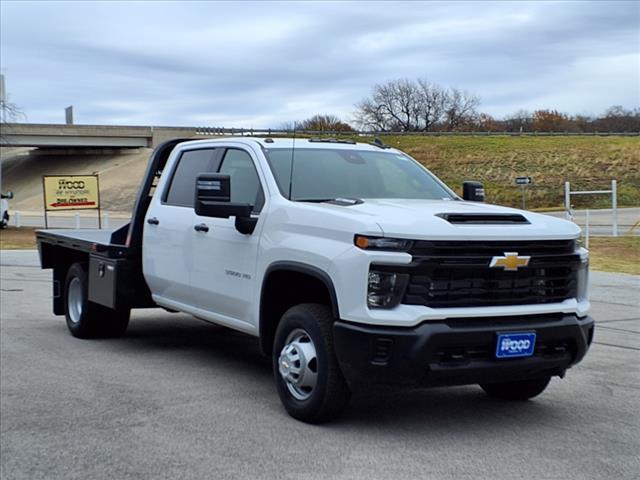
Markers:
12,238
620,254
587,162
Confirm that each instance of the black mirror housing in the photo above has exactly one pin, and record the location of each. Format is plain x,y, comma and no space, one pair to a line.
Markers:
213,199
213,187
473,191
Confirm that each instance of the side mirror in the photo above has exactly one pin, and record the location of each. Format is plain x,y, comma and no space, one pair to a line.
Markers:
213,199
8,195
473,191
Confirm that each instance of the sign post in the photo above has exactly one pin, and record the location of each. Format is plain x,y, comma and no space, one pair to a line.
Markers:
71,192
523,182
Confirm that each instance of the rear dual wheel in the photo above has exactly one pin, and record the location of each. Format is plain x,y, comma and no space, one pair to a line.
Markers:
86,319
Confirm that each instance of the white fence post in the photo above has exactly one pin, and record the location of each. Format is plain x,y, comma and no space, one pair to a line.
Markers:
586,230
105,220
567,200
18,219
614,202
77,220
614,206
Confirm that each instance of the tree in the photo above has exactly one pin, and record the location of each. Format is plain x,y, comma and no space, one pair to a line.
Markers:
520,121
290,126
551,121
411,106
433,102
9,112
486,123
325,123
618,119
392,106
460,109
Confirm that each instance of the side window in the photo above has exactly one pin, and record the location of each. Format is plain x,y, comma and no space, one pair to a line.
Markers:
181,190
245,184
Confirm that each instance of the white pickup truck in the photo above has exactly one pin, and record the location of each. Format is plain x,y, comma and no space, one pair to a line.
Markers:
351,263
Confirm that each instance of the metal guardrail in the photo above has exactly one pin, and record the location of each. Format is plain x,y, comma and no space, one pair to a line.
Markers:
368,133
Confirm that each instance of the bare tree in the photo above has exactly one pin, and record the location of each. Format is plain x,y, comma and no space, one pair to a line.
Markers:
619,119
290,126
461,109
433,103
369,117
520,121
9,113
398,101
327,122
407,105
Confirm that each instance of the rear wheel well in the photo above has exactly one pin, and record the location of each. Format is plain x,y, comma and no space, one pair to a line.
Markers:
60,259
286,287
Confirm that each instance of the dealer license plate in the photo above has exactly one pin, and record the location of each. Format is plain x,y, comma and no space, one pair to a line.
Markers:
513,345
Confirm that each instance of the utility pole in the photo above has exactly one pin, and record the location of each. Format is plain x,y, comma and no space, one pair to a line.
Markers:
3,100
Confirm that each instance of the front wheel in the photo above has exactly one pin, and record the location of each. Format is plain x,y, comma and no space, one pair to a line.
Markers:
519,391
307,375
86,319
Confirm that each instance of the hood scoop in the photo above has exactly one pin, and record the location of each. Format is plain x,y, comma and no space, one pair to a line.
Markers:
484,218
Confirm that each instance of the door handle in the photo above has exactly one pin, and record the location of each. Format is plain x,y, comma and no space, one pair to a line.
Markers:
201,227
153,221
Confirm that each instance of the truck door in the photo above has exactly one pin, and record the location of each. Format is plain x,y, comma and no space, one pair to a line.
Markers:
167,246
223,275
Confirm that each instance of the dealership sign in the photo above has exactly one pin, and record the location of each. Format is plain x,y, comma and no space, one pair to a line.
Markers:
71,192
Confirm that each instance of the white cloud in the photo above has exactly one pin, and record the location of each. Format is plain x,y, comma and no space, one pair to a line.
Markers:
263,63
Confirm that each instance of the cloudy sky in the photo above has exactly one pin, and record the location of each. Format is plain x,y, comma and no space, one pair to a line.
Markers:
261,64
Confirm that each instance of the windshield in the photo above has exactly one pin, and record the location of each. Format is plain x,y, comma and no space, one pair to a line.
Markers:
325,174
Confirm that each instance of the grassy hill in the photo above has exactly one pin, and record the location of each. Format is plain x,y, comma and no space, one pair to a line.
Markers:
588,162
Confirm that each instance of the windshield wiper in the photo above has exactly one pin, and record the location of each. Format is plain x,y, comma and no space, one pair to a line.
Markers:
343,201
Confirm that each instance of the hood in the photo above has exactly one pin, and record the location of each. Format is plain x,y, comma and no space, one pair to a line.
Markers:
426,219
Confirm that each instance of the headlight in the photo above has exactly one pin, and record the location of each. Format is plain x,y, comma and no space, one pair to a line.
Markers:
385,289
382,243
582,290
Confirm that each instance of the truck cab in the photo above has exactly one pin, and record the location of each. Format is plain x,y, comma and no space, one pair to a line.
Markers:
352,265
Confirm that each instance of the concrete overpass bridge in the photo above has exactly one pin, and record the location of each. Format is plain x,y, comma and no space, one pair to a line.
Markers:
88,136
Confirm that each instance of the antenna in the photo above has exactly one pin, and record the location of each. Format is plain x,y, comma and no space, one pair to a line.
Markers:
293,151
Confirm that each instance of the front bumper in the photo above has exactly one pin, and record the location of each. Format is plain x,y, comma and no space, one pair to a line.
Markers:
458,351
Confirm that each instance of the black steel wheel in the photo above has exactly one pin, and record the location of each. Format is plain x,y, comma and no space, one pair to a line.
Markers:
86,319
307,375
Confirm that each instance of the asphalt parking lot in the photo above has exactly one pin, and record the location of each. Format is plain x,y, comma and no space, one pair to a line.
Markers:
179,398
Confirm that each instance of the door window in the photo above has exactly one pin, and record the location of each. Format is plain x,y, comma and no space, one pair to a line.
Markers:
245,183
181,190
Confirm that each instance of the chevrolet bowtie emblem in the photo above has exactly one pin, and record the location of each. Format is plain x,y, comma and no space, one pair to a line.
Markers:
510,262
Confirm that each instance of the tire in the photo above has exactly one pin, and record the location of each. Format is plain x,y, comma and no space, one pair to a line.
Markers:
516,391
86,319
307,329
